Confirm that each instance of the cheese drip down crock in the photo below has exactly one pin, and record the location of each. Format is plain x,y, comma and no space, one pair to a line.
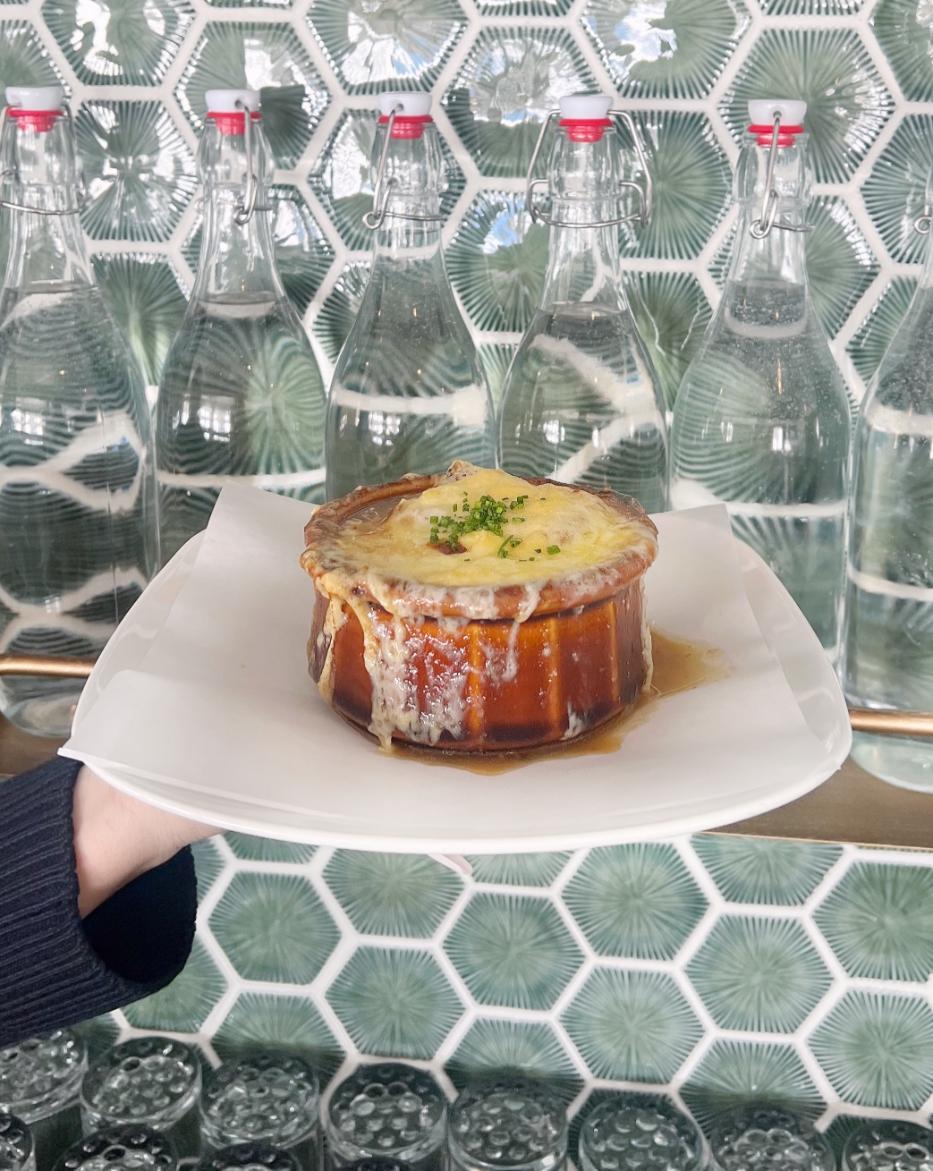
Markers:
479,612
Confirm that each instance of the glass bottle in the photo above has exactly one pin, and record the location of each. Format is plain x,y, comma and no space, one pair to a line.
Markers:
408,392
581,402
78,525
241,397
889,594
763,418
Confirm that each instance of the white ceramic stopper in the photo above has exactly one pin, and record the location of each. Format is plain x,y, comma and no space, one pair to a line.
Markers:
587,107
35,97
761,113
413,105
224,101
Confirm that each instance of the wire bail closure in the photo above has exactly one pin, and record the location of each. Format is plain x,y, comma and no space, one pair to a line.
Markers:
761,227
246,204
924,220
382,188
645,191
9,174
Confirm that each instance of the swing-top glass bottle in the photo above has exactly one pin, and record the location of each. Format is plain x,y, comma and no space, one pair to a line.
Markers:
581,402
408,392
888,662
78,524
763,418
241,398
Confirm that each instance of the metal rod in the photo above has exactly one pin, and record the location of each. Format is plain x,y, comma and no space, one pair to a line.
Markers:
46,666
891,723
247,203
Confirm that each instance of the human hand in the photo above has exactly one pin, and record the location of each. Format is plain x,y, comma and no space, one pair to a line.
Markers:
117,838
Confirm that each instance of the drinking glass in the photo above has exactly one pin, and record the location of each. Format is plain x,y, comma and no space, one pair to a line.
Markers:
888,1145
127,1147
639,1132
507,1123
251,1156
16,1146
762,1137
39,1083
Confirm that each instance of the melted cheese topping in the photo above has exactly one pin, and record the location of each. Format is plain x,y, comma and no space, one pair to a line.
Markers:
585,530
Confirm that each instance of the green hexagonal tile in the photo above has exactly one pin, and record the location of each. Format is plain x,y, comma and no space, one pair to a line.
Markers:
636,900
512,950
673,51
392,894
756,870
735,1072
878,1050
183,1005
895,191
303,253
531,1048
810,7
517,869
138,171
256,849
510,80
267,57
871,339
631,1025
497,261
760,975
672,313
831,70
902,29
692,183
274,927
23,57
119,42
378,45
524,7
495,360
262,1020
208,865
147,302
340,307
98,1034
840,262
395,1003
341,177
879,921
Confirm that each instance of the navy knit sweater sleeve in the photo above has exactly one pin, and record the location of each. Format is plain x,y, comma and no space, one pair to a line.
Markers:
56,969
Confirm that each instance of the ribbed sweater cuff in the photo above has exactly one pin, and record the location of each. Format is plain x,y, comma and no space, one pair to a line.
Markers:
55,969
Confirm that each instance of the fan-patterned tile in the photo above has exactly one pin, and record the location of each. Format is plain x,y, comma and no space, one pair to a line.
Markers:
274,927
665,51
903,29
632,1025
759,870
392,894
879,921
263,1020
377,45
208,865
530,1048
637,900
138,170
871,339
735,1072
395,1002
339,309
671,313
147,303
518,869
495,360
512,950
255,849
510,81
758,975
895,191
119,42
831,70
267,57
877,1050
497,261
24,60
186,1002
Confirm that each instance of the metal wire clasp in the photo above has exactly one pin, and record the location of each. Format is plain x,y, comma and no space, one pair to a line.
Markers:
645,191
761,226
924,220
246,204
8,174
382,188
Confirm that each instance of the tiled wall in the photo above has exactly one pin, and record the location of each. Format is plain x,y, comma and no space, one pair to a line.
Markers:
720,966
